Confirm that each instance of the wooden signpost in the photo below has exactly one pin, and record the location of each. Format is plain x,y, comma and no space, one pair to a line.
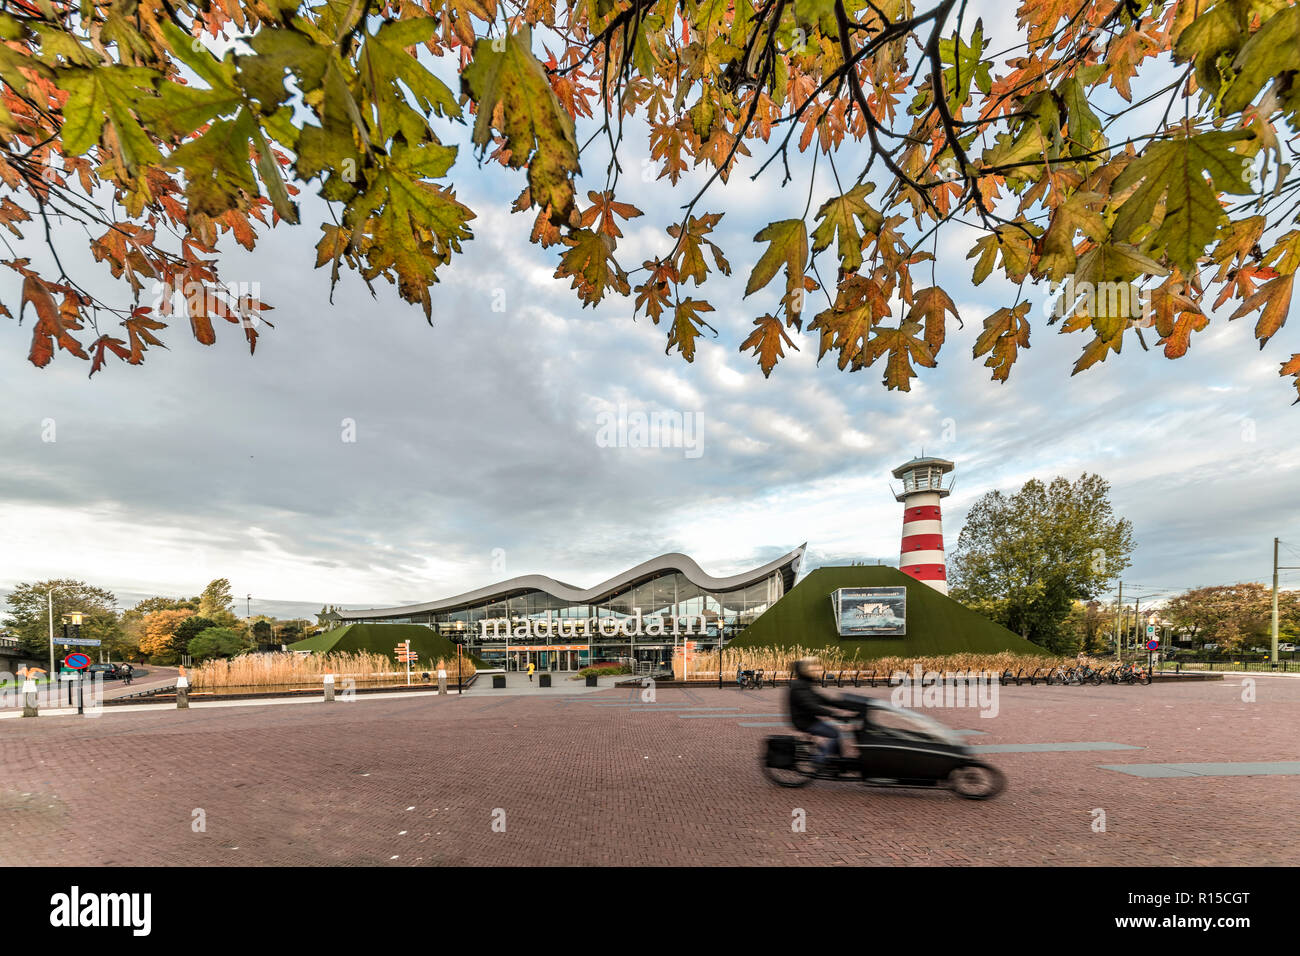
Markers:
406,655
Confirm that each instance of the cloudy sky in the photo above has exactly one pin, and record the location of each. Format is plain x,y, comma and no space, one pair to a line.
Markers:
476,453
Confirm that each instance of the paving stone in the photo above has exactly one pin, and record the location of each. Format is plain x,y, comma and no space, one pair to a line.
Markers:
310,783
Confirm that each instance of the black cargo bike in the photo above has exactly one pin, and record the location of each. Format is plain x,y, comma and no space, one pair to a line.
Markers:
895,748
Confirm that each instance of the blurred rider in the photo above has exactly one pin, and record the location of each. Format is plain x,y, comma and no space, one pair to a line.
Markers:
812,711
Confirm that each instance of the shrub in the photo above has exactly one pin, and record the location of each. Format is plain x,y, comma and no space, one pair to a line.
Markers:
603,670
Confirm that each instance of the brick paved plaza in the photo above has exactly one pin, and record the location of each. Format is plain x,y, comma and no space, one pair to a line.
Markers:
416,781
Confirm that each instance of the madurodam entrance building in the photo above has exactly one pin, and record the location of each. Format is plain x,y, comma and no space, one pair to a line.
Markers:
641,614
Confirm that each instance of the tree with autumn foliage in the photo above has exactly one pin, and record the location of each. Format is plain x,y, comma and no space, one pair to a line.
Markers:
1234,616
159,639
1134,156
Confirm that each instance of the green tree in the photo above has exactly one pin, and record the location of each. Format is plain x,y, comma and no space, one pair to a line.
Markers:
215,642
28,616
262,631
1142,148
1083,628
216,599
149,605
1023,559
190,628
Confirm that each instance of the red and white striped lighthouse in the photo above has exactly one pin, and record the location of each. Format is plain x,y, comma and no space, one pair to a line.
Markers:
921,554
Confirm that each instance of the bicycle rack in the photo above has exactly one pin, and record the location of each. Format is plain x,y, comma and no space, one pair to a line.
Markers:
839,679
872,678
1033,678
855,679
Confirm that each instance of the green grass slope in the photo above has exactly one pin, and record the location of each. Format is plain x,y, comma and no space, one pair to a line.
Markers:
381,639
936,624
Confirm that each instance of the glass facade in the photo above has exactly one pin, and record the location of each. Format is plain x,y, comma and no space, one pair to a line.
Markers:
641,622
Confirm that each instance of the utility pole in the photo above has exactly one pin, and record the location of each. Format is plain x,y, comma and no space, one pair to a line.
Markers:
1273,647
1137,624
1119,612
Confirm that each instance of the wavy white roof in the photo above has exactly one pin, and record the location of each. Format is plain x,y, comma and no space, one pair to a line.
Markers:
655,567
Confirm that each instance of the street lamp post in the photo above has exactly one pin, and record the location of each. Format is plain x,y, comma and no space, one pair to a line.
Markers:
49,597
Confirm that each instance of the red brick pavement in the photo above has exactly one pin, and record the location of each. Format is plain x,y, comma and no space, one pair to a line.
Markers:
416,782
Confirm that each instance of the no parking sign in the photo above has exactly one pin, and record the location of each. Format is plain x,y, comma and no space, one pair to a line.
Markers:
76,662
1153,645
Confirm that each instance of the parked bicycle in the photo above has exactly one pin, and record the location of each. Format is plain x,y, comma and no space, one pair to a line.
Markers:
1086,674
1133,674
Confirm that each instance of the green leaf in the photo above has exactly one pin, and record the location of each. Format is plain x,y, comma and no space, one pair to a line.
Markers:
408,227
384,57
789,247
1174,170
537,129
837,216
1267,54
1213,34
966,64
217,167
1057,257
108,93
1085,127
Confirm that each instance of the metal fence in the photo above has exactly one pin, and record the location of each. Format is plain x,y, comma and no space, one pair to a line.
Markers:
1280,667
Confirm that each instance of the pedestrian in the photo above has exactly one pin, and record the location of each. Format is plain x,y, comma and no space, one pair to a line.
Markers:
531,668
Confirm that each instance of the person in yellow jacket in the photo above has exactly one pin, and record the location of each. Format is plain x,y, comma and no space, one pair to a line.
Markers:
531,667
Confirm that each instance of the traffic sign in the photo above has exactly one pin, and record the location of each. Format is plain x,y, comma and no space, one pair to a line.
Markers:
1153,645
76,662
1151,629
81,642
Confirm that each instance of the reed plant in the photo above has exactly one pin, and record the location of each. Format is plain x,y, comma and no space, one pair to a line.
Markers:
290,669
779,661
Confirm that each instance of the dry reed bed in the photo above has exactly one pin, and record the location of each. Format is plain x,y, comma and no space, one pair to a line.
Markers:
704,666
290,669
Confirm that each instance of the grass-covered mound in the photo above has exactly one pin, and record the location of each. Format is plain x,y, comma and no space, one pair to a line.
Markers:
936,624
382,639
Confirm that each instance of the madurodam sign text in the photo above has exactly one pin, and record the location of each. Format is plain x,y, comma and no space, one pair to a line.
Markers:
656,626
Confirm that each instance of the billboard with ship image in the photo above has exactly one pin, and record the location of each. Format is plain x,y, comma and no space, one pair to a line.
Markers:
870,612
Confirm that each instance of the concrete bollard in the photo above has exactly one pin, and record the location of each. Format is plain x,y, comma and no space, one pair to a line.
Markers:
182,693
30,707
442,683
329,688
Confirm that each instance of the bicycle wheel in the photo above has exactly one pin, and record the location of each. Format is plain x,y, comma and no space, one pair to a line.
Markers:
1144,678
799,775
977,781
1095,678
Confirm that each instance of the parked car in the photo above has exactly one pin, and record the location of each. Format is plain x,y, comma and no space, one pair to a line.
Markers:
107,671
1286,648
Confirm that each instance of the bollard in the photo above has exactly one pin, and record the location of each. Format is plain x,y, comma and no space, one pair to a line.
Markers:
30,707
329,688
182,693
442,683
